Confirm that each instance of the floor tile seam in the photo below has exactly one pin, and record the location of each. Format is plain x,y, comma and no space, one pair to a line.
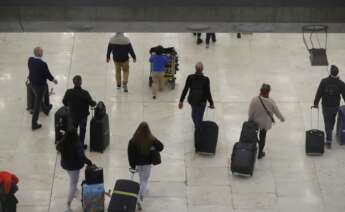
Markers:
56,157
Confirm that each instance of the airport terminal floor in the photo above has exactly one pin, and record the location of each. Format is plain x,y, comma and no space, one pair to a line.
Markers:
285,180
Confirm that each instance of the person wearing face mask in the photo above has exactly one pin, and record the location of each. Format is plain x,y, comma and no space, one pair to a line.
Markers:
261,111
329,90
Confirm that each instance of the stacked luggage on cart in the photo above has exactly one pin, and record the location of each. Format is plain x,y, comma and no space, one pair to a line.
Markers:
171,68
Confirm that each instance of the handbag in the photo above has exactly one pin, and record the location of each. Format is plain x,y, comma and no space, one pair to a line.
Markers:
268,113
155,157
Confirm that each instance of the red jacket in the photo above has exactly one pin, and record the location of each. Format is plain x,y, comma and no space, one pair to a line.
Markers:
7,180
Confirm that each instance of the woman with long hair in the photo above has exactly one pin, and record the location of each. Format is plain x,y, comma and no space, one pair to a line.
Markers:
72,160
140,150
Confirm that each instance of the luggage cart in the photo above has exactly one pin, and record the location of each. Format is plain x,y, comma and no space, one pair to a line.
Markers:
170,69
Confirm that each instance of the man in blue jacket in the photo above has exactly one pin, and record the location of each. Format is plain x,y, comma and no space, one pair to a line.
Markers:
159,61
38,75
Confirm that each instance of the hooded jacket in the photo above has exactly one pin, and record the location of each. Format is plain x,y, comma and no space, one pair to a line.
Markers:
120,47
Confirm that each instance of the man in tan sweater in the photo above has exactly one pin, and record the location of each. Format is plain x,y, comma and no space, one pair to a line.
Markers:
261,111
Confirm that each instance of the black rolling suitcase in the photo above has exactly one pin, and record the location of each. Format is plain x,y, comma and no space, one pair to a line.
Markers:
63,122
99,129
206,138
93,175
315,138
124,197
243,158
249,132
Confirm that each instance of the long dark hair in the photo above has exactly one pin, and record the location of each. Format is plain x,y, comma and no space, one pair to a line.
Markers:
143,138
70,141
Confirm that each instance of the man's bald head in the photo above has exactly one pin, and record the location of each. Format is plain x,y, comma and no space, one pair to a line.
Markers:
199,67
38,52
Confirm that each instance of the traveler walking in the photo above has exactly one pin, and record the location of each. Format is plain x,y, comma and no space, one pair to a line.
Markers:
261,110
8,188
329,90
159,62
142,151
72,160
198,86
120,46
79,100
38,76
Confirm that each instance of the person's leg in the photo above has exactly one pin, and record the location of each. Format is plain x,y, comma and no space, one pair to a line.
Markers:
262,141
82,131
213,37
155,83
125,69
118,74
329,114
198,40
208,36
161,81
144,179
198,114
73,183
38,93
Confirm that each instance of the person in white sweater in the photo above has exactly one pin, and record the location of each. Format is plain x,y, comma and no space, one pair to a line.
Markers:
262,110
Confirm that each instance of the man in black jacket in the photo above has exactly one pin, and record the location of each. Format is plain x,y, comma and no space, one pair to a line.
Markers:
38,75
79,100
199,92
120,46
329,91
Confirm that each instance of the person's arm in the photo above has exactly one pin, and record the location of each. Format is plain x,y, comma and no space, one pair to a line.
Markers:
251,111
131,154
48,74
158,145
186,88
131,52
343,90
86,160
109,50
277,112
65,99
91,102
208,93
318,94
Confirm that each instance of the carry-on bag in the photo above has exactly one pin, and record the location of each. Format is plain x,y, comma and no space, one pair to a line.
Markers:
63,122
243,158
341,125
99,129
93,175
93,197
125,196
249,132
206,138
314,138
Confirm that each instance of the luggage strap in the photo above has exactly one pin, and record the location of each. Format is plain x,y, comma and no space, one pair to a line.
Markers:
123,193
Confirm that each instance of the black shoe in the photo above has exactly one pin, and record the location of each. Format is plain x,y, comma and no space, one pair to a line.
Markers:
85,147
118,86
261,155
36,126
199,41
154,97
328,145
238,35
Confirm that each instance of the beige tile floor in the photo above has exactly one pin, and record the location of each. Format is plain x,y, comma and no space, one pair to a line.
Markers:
286,180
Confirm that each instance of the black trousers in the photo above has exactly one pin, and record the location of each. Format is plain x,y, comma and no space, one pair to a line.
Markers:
81,123
39,92
262,139
210,36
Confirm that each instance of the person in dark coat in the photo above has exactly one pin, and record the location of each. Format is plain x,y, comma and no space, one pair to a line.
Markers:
79,101
140,149
38,75
198,86
329,90
73,160
120,46
8,188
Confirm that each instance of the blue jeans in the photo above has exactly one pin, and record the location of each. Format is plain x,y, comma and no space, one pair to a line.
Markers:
198,114
329,115
81,123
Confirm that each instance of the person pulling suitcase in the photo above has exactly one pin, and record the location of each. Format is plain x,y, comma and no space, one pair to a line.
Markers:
261,110
143,152
198,86
79,100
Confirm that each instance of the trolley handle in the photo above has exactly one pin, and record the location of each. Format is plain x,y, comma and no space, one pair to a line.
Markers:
311,117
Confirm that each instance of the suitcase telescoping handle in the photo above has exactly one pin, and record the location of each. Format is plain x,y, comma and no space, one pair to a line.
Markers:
311,117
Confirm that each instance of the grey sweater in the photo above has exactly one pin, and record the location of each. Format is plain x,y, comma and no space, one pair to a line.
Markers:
258,113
